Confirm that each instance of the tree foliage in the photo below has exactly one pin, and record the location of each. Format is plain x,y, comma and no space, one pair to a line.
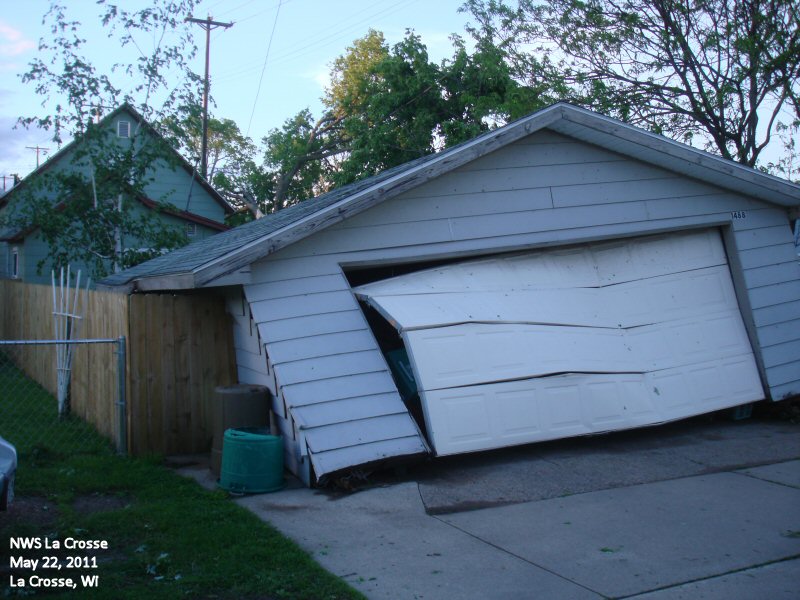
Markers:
88,213
388,105
723,71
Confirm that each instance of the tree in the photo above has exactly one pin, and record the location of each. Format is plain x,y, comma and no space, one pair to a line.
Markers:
724,71
87,213
386,106
231,155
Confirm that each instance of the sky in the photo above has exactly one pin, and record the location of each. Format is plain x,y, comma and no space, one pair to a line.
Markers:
298,38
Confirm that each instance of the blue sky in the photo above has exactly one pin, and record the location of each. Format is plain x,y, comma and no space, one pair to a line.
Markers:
308,35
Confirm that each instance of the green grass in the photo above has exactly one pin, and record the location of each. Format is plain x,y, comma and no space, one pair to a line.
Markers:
168,537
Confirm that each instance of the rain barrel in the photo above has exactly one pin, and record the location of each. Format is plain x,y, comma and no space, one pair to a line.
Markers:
252,461
236,406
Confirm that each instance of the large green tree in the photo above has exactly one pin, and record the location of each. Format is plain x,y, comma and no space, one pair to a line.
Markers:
721,74
89,213
388,105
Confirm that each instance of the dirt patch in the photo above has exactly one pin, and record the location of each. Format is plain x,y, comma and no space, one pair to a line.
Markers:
95,503
34,512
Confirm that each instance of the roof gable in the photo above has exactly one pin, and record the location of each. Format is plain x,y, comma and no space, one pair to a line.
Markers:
202,262
127,110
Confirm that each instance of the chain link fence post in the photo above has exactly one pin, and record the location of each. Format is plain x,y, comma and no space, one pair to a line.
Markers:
122,420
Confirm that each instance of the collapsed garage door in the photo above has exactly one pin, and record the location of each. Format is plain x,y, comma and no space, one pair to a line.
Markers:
566,342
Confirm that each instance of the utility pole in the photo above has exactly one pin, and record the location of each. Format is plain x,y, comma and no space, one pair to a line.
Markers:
38,149
208,24
14,180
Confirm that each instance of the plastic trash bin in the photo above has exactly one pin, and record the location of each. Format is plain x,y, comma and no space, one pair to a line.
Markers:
252,461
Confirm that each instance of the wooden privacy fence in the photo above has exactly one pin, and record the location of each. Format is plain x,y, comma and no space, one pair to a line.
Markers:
179,348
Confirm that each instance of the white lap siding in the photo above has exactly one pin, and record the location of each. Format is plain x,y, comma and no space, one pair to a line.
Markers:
545,190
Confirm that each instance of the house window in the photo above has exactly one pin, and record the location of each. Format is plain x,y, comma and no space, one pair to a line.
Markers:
191,229
15,263
124,129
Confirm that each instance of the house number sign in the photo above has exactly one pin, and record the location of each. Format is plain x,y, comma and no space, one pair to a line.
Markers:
739,214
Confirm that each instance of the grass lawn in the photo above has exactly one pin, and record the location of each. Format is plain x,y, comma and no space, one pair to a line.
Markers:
167,537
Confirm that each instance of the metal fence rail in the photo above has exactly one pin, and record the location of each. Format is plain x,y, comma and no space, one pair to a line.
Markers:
29,415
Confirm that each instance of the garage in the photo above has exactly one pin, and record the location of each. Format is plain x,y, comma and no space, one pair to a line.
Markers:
562,342
563,275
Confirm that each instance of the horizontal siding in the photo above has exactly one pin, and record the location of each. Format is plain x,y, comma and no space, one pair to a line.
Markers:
765,257
556,152
313,325
784,373
468,181
772,274
299,306
778,333
305,393
763,237
346,409
342,458
296,287
353,432
545,190
327,367
328,344
778,293
781,354
786,390
779,313
629,191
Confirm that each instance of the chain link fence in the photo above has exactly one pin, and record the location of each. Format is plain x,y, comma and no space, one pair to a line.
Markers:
29,413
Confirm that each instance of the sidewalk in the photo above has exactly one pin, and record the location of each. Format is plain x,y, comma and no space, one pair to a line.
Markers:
720,533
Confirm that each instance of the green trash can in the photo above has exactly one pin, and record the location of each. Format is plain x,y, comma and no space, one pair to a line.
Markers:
252,461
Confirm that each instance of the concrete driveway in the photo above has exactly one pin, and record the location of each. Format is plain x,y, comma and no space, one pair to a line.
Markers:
697,509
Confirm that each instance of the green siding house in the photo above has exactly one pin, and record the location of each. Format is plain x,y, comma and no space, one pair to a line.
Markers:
174,189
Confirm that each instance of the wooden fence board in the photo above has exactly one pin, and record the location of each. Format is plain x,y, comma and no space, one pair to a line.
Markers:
179,349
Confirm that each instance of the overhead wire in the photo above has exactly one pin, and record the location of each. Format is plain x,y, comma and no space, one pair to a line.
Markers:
319,41
264,68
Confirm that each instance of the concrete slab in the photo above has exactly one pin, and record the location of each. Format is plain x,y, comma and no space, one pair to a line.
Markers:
631,540
787,473
383,543
550,470
777,581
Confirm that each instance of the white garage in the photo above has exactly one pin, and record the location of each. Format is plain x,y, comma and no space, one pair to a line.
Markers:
564,342
563,275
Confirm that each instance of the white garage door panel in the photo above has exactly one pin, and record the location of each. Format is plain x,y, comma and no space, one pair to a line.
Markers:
600,264
574,341
517,412
628,304
476,353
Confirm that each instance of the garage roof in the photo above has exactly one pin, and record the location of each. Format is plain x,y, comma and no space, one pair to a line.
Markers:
202,262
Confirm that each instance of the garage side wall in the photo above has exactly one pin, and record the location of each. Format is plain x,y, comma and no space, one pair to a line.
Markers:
545,190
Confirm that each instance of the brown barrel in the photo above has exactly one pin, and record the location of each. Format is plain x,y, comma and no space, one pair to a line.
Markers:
236,406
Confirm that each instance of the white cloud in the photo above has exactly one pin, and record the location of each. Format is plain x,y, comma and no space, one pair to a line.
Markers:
13,42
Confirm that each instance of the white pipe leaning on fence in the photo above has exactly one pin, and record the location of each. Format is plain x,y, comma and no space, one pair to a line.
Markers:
67,318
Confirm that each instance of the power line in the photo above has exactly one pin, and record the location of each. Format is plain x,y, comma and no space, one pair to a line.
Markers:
208,24
319,40
263,68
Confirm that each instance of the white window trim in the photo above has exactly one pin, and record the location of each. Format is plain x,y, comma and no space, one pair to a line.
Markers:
191,229
14,262
123,126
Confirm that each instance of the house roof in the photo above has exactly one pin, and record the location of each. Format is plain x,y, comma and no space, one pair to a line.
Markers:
202,262
55,158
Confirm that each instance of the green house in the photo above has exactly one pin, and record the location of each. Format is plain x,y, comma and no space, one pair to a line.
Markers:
173,192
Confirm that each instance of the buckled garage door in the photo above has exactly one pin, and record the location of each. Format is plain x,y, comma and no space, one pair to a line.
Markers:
566,342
